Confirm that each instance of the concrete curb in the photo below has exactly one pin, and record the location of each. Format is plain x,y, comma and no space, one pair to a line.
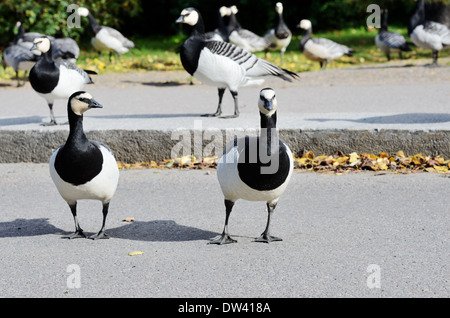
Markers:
145,145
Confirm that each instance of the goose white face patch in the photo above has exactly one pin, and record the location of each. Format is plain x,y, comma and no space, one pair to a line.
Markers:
305,24
83,12
42,44
279,8
190,17
78,105
267,96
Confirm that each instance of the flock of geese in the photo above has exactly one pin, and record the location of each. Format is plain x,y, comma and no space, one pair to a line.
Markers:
223,58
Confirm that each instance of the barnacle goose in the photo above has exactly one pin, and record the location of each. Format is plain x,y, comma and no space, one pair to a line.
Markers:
106,38
55,79
19,58
280,36
428,34
320,49
244,38
82,169
255,168
388,41
222,64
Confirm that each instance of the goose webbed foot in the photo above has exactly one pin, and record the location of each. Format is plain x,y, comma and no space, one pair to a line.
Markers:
77,234
100,235
230,116
224,238
216,114
266,238
50,123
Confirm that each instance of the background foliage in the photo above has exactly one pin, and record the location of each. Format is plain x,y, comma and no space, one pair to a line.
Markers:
157,17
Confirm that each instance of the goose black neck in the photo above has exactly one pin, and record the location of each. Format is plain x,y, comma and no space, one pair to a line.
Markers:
306,37
384,21
269,132
418,17
21,33
76,134
94,24
233,24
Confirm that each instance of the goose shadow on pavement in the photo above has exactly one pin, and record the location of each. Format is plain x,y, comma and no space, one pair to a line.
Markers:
151,231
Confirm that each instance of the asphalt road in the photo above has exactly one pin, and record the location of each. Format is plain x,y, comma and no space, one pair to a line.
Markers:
352,235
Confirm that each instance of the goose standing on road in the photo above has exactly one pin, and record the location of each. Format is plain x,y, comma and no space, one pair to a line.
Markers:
222,64
428,34
255,168
388,41
55,79
244,38
82,169
106,38
320,49
280,36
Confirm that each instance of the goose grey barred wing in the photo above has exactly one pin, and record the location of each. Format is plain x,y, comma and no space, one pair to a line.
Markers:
119,36
332,47
439,29
254,66
65,48
72,66
392,39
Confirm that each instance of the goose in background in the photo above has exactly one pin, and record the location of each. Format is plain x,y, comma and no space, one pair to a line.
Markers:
19,58
55,79
106,38
82,169
222,64
280,36
26,39
64,48
244,38
221,33
388,41
255,168
320,49
428,34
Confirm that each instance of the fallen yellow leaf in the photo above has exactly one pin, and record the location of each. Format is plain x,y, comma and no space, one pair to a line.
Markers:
135,253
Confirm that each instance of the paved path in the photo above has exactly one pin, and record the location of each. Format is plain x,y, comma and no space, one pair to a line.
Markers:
338,232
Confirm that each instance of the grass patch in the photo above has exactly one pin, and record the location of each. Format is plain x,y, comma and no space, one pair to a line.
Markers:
159,53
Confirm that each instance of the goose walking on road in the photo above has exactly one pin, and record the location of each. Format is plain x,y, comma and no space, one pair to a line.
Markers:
255,168
82,169
222,64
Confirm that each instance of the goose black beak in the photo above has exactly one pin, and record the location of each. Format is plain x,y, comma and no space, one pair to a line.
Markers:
33,47
180,19
94,104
